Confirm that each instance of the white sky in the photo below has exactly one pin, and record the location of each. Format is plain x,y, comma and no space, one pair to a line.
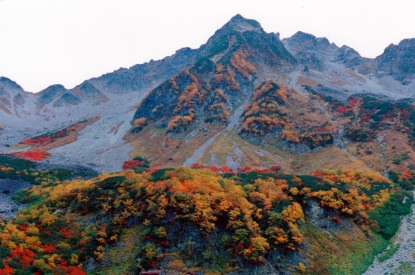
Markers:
43,42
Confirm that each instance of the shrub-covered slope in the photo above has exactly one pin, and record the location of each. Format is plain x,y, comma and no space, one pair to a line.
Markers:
202,219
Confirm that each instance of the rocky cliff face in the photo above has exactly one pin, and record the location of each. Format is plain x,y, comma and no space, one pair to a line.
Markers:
309,50
238,57
349,57
398,61
12,96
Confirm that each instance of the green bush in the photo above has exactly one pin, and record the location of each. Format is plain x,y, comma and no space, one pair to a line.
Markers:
387,216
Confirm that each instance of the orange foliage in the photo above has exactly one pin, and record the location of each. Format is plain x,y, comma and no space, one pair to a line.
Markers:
188,96
140,122
241,64
265,113
290,135
269,191
227,78
178,122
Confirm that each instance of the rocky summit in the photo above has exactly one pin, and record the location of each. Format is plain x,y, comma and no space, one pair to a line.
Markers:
248,155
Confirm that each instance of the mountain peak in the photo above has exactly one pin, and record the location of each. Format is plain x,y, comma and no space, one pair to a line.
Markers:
53,88
398,60
406,43
9,84
243,32
242,24
308,39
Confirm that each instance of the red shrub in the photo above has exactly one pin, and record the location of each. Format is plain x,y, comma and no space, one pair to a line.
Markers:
129,164
23,227
342,109
335,219
6,270
213,168
197,166
226,169
66,233
49,248
244,169
74,270
352,102
33,155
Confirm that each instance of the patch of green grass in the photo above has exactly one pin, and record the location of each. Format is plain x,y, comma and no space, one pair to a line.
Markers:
121,257
388,253
347,251
388,216
25,197
359,257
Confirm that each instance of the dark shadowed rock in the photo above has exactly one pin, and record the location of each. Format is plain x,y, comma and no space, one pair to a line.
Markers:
348,56
398,60
9,85
7,189
49,94
67,99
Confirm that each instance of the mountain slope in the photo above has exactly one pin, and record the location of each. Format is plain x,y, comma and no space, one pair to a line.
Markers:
245,89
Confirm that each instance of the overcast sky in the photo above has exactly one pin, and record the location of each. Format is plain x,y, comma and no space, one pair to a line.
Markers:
43,42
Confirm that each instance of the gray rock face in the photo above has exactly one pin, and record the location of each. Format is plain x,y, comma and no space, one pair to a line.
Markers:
7,85
12,96
49,94
88,92
67,99
239,31
19,100
349,57
7,189
309,50
262,50
241,24
398,61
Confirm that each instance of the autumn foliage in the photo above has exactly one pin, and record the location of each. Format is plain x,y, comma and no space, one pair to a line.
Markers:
265,114
249,212
34,155
58,138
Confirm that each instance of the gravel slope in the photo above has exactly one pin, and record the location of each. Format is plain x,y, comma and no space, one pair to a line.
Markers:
404,255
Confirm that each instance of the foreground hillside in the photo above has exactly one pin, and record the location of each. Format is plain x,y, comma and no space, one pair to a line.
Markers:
202,219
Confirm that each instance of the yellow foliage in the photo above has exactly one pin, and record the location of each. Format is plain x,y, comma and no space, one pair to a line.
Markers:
301,268
266,113
293,212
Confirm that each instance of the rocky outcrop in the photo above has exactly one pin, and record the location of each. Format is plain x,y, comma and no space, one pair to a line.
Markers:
7,189
309,50
49,94
220,80
67,99
398,61
348,56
